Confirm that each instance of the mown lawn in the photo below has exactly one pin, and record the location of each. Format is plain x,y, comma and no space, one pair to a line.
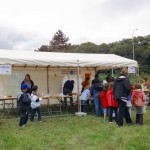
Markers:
75,133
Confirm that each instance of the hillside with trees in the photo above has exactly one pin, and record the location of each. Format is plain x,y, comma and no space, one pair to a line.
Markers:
59,43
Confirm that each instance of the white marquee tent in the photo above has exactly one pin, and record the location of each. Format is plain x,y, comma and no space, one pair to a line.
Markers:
27,59
31,58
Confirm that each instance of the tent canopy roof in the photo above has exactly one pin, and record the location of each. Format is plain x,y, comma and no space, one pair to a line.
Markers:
31,58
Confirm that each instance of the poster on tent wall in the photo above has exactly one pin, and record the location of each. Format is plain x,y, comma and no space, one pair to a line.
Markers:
131,69
69,71
5,69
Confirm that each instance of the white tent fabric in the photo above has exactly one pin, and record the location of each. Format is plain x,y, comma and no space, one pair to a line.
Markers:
31,58
51,59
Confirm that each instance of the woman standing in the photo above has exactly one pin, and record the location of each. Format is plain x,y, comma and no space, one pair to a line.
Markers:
28,82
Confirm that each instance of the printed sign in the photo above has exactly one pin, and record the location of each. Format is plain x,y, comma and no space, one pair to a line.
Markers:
67,71
5,69
131,69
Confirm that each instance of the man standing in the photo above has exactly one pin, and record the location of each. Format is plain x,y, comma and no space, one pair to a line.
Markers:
96,79
95,90
121,92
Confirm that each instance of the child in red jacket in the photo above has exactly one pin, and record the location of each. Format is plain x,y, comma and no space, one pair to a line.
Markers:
104,101
112,103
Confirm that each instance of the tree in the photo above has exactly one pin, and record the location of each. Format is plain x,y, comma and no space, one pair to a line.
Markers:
43,48
59,42
87,47
122,48
104,48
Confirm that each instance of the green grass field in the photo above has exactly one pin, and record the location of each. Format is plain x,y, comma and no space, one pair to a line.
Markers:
75,133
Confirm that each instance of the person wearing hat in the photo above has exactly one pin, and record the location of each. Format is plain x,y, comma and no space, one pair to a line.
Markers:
24,103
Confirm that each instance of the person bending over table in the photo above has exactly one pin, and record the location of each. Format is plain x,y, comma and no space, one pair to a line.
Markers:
67,90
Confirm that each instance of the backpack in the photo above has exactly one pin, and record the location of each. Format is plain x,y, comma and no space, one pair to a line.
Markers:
98,87
18,99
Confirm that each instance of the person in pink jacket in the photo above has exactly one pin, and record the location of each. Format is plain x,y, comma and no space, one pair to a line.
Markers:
138,99
112,103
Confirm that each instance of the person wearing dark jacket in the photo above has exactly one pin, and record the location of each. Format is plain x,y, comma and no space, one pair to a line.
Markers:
121,93
29,82
67,90
96,79
95,90
24,103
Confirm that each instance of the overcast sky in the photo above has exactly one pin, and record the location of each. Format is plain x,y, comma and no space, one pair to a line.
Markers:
28,24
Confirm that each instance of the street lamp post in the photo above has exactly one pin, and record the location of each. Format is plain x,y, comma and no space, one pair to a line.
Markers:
133,41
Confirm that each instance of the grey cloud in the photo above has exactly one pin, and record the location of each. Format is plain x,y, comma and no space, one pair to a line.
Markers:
123,7
100,12
5,45
10,38
114,9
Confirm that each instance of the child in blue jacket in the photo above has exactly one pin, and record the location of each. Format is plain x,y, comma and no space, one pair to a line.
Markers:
24,103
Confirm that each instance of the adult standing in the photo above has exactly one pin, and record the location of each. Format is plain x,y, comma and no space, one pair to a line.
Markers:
95,92
145,85
85,83
28,82
121,93
146,89
96,79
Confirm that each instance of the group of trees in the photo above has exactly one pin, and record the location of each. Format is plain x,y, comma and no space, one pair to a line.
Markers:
59,43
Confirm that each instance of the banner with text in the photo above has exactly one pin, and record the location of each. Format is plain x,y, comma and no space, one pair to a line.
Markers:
5,69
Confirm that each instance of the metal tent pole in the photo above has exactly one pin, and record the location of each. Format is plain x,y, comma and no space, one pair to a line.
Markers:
112,72
47,80
78,92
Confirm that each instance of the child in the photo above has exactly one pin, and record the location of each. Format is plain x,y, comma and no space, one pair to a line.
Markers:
138,99
129,105
35,103
84,97
104,101
24,103
112,103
